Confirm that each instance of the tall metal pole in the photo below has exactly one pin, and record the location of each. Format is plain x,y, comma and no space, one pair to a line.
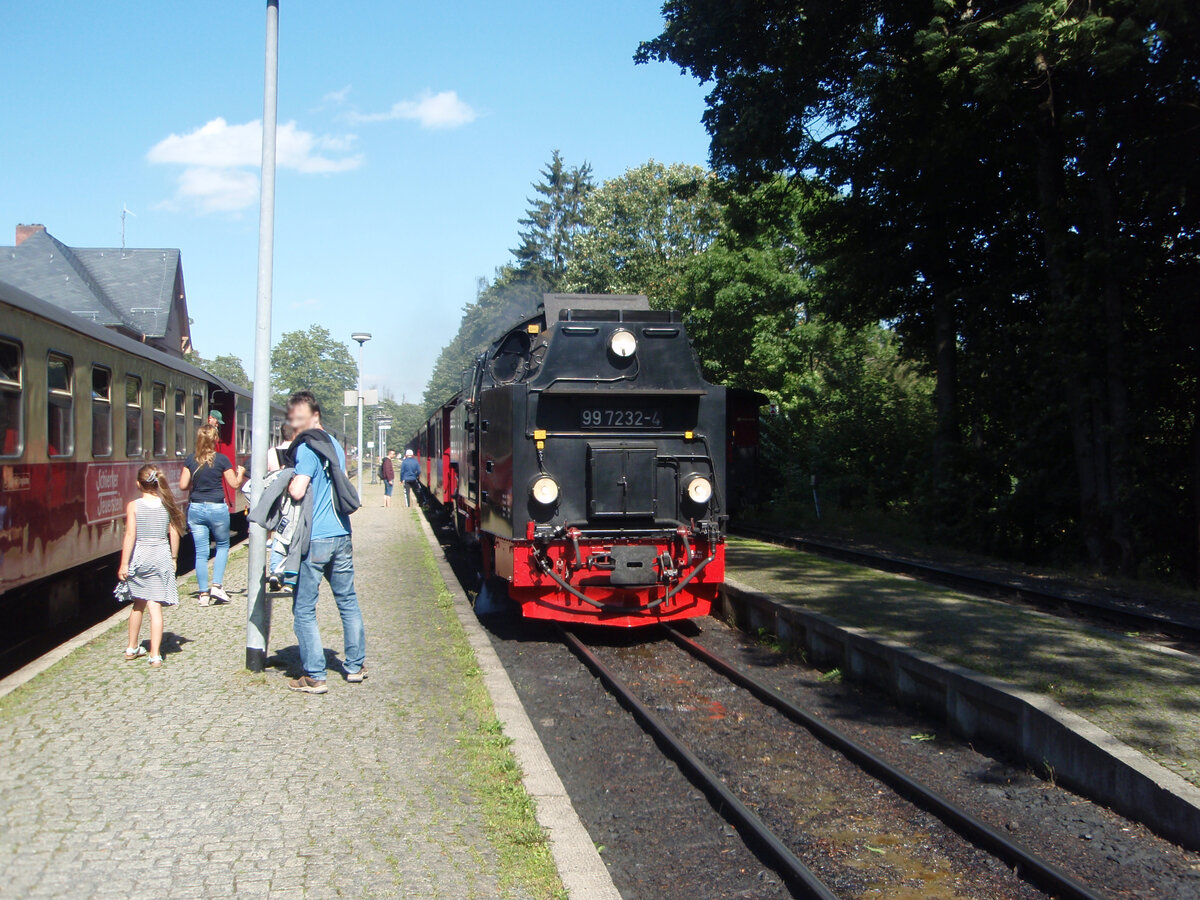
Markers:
360,417
258,608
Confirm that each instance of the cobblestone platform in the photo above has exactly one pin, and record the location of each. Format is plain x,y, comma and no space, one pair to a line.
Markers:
200,779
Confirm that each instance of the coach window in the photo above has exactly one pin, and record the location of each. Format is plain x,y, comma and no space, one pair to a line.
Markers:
197,410
181,423
159,402
11,431
60,406
243,432
102,440
133,415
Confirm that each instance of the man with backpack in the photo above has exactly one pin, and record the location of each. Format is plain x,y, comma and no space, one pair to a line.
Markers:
387,474
320,481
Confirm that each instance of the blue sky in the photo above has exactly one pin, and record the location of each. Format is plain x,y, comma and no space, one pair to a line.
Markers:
413,131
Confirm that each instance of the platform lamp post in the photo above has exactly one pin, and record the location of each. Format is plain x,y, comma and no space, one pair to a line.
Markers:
258,607
362,337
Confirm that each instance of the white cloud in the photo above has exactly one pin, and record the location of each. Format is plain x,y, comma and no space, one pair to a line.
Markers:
218,190
336,98
443,110
222,160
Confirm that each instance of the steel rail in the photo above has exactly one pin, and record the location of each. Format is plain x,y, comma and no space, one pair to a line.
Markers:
1049,601
793,871
1026,864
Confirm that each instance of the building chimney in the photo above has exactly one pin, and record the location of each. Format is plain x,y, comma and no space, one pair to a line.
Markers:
25,231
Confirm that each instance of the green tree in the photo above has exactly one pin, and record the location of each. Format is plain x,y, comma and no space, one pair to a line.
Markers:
406,419
226,367
641,229
1014,189
849,408
499,304
553,222
313,360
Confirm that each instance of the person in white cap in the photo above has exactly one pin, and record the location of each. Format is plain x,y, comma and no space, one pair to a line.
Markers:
410,471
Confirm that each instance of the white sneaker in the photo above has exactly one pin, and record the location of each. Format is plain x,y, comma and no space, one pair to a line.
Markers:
217,594
204,600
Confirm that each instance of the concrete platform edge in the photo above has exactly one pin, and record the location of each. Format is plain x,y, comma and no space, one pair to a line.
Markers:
1045,735
583,872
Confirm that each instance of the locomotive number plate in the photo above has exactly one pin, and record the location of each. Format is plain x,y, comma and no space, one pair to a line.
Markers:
607,417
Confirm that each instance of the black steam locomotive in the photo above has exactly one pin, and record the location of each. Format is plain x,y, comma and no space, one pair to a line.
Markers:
589,456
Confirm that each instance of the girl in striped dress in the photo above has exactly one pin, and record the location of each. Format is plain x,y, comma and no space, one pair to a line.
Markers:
149,553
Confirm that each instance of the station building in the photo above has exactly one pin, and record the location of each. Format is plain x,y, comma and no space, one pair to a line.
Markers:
137,292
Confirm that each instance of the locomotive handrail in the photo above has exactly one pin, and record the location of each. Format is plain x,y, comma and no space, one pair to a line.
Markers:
606,607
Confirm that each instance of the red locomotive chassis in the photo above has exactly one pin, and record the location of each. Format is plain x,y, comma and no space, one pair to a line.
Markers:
542,596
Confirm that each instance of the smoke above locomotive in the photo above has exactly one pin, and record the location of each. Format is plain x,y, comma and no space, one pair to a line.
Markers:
587,453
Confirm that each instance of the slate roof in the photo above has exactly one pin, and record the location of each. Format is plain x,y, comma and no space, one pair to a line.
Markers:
109,286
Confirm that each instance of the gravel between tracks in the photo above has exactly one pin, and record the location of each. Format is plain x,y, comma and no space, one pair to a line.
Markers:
660,838
857,835
1098,847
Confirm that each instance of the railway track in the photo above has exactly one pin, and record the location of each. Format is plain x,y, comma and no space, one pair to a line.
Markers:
1126,616
771,846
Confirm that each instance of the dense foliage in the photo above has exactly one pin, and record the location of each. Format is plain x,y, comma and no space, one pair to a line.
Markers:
1012,187
956,245
405,417
313,360
226,367
845,404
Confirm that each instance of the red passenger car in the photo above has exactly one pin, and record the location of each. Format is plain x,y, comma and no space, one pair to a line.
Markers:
81,409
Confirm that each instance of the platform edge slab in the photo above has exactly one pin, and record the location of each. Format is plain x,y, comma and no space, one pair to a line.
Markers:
580,867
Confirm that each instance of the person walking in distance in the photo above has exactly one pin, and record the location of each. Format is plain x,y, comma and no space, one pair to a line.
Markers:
149,554
387,472
410,471
203,472
321,483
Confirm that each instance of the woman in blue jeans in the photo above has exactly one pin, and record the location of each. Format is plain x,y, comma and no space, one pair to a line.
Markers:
201,478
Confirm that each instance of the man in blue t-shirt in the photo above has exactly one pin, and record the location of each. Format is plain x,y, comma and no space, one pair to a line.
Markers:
330,555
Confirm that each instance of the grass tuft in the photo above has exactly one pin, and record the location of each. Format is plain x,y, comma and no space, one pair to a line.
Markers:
524,863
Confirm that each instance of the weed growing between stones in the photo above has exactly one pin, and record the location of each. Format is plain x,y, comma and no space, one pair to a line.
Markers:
522,850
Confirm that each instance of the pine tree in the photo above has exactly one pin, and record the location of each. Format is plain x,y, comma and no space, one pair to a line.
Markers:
553,221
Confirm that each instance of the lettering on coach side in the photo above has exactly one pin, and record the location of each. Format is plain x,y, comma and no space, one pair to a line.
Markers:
109,486
14,479
105,489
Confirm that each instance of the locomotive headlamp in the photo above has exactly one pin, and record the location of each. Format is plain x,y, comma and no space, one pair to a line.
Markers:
699,490
544,490
622,343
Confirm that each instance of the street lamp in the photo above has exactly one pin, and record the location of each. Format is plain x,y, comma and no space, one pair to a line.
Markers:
362,337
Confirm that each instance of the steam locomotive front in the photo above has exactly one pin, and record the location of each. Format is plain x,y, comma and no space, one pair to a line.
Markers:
601,454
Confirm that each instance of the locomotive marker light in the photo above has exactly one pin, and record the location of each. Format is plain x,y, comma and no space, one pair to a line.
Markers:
698,489
622,343
544,490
